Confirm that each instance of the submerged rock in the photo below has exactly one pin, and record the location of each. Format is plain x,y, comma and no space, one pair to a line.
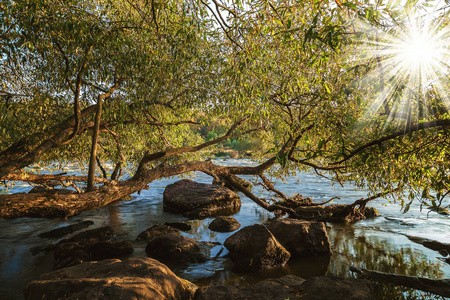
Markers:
179,225
134,278
254,248
200,200
90,245
224,224
301,238
58,232
271,289
175,250
155,231
291,287
334,288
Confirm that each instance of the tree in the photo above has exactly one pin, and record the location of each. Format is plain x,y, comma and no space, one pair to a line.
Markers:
122,81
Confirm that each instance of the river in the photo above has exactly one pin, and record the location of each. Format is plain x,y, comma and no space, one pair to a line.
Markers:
377,244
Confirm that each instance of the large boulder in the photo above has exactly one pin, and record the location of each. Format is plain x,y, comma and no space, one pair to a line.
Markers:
200,200
134,278
175,250
254,248
224,224
291,287
301,238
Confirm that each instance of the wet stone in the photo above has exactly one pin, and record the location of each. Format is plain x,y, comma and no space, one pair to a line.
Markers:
224,224
200,200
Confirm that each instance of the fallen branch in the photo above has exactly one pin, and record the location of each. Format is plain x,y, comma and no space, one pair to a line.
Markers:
436,286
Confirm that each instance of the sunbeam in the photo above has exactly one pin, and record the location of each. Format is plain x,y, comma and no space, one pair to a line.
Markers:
410,83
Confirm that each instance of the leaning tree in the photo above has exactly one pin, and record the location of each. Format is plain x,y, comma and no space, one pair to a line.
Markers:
127,82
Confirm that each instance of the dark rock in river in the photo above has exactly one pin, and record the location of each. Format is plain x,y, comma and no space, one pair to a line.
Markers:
335,213
134,278
93,235
334,288
90,245
155,231
110,249
271,289
58,232
291,287
224,224
301,238
175,250
179,225
200,200
430,244
254,248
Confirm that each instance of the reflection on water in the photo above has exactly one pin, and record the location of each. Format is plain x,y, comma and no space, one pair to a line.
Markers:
378,244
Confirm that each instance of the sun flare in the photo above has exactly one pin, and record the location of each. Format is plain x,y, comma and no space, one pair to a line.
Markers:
412,69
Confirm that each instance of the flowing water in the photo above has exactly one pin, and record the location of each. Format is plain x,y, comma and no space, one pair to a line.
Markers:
377,244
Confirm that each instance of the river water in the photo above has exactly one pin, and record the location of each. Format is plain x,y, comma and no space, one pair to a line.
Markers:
377,244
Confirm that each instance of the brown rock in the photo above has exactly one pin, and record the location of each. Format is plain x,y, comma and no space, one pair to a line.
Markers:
134,278
334,288
254,248
224,224
110,249
179,225
156,230
175,250
301,238
200,200
271,289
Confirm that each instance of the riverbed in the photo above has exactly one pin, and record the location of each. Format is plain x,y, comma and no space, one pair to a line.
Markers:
378,244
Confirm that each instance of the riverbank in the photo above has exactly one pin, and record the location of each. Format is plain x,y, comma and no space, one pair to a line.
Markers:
379,244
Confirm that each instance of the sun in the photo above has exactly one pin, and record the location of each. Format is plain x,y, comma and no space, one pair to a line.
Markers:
412,59
419,49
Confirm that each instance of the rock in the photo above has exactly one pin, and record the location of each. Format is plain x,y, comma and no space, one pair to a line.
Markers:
175,250
334,213
301,238
179,225
271,289
108,249
224,224
93,235
70,254
200,200
223,182
58,232
156,230
254,248
334,288
134,278
73,253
